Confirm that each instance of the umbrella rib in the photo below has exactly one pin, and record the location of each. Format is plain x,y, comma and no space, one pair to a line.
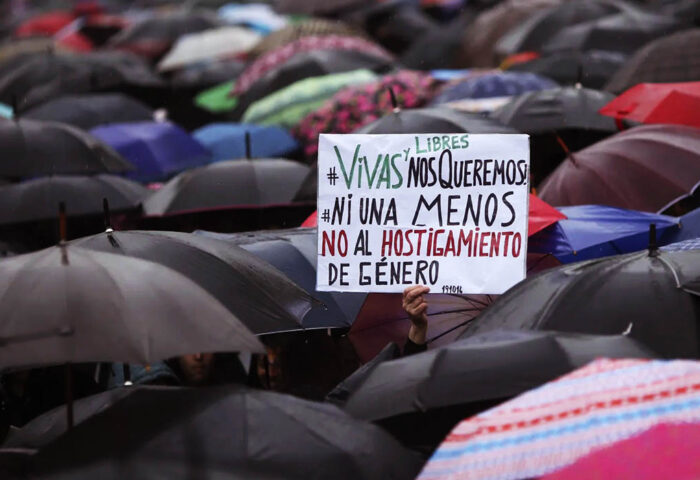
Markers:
673,270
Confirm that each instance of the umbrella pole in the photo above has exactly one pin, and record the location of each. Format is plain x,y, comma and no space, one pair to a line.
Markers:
69,396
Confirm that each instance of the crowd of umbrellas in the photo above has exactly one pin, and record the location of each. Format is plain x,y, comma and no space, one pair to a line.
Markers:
157,199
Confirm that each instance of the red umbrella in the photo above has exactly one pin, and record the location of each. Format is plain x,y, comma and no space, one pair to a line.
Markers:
664,451
44,25
675,103
647,168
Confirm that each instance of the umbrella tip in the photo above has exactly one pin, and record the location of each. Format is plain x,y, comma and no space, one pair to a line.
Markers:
653,247
247,146
62,222
107,216
394,102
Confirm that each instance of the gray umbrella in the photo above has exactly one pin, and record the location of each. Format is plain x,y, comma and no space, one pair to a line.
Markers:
433,120
71,305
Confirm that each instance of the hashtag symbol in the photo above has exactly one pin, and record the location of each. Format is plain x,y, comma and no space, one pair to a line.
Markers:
332,176
326,215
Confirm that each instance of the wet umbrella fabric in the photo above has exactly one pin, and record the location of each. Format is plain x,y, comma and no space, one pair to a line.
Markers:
158,150
490,366
259,295
158,313
226,141
670,103
596,231
206,75
624,171
552,426
91,110
653,298
36,199
488,85
229,184
231,432
33,147
674,58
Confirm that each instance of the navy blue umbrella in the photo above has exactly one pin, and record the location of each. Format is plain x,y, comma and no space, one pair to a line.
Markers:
226,141
501,84
595,231
158,150
690,229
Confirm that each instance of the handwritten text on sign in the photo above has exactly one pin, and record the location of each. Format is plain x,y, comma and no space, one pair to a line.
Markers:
446,211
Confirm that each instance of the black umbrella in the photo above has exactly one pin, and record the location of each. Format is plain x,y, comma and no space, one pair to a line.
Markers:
434,120
674,58
229,184
36,199
438,47
651,296
591,69
223,433
88,111
200,77
557,120
33,147
71,305
263,298
620,32
536,30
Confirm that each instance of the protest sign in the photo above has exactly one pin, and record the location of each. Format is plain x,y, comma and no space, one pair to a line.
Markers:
445,211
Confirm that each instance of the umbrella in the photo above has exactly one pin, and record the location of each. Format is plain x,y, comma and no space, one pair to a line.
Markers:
230,432
158,150
91,110
689,229
205,75
229,184
673,58
553,426
208,45
36,199
157,314
538,28
287,106
496,84
629,164
620,32
354,107
667,450
227,141
217,99
153,37
33,147
319,7
491,25
433,120
592,68
438,47
674,103
258,294
258,16
650,297
44,24
294,253
6,111
595,231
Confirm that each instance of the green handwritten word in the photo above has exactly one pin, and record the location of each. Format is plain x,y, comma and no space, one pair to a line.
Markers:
383,173
442,142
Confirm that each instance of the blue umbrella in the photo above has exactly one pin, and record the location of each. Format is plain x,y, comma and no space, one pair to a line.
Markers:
226,141
158,150
690,228
6,111
690,244
594,231
489,85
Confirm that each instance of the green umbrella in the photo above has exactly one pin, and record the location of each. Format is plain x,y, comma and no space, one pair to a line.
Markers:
216,99
286,107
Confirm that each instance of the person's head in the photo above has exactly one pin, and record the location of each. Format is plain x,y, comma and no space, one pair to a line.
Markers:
196,368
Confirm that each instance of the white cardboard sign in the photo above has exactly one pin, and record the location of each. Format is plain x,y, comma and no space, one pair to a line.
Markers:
448,211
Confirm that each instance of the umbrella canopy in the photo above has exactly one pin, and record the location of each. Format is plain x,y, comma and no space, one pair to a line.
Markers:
287,106
354,107
152,37
226,141
158,150
690,229
217,99
629,163
91,110
554,425
538,28
258,16
595,231
229,184
620,32
438,47
673,103
489,366
33,147
231,432
158,313
497,84
255,292
208,45
318,7
44,24
37,199
294,253
592,69
664,451
653,298
200,76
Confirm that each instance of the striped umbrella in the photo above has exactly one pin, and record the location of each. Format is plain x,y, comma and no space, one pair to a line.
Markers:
554,425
